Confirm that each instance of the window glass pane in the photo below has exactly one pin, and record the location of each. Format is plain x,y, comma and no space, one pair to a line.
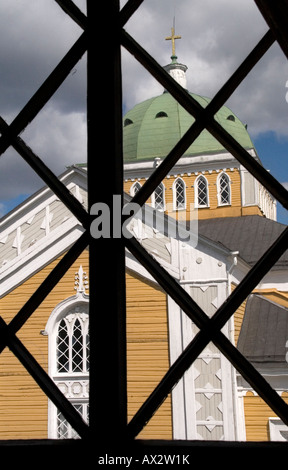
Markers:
77,347
62,348
62,426
202,191
135,188
180,194
87,352
64,429
159,197
224,189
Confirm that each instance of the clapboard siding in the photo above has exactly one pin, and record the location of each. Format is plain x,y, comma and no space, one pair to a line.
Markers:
148,355
24,407
213,210
257,414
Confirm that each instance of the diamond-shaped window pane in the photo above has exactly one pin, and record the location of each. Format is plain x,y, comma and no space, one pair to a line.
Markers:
180,194
77,347
224,184
202,191
159,199
62,348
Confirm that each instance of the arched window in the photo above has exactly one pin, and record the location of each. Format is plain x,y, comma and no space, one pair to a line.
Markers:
72,344
127,122
201,192
179,194
158,199
71,369
224,190
68,357
135,188
161,114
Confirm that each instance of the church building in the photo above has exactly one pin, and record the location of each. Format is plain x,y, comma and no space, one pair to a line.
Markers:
233,219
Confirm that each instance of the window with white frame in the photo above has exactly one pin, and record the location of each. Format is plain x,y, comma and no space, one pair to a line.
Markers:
158,199
179,194
135,188
72,344
224,189
69,346
201,192
278,430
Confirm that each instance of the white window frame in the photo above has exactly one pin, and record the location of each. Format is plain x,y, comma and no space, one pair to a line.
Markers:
276,426
220,203
174,189
77,304
196,191
135,187
153,200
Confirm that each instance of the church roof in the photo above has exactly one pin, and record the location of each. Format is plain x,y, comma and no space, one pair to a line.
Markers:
251,235
264,332
152,128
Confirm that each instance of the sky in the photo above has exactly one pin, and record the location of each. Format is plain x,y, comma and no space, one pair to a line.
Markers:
216,37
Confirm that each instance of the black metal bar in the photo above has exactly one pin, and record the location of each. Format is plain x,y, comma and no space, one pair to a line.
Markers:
193,107
275,14
74,12
107,315
45,92
128,10
47,175
44,381
210,331
181,365
108,387
78,16
215,104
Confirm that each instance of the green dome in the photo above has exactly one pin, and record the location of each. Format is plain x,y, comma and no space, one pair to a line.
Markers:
153,127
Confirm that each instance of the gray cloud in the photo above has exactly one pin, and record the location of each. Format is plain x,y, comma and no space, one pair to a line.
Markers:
216,37
35,35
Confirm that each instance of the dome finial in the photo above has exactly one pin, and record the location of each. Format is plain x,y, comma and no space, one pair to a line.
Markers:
176,70
172,38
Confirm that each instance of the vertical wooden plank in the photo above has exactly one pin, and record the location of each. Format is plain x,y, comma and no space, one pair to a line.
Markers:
108,396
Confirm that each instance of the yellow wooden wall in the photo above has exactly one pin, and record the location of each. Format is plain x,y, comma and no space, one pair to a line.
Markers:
148,352
256,411
23,406
257,414
213,211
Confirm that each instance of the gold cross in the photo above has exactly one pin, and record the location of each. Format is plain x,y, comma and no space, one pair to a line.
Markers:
172,38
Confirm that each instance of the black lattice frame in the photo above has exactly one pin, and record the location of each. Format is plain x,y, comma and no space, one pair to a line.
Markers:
108,381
